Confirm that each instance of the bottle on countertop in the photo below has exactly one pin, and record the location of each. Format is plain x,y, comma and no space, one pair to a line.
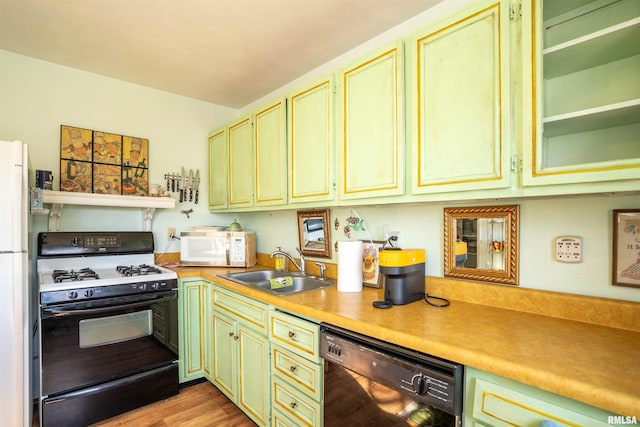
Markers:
280,261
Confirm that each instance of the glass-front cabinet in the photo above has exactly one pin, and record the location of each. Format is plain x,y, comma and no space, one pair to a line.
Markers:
581,83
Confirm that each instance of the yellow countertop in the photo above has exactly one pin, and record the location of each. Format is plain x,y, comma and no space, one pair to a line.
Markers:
594,364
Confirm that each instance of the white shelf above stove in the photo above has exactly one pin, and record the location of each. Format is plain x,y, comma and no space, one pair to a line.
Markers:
57,199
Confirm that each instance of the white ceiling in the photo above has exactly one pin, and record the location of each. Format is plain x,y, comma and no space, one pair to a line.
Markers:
227,52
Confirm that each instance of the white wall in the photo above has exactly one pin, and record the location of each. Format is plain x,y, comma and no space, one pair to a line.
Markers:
541,221
36,97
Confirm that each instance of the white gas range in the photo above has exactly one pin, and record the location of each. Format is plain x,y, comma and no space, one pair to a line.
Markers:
82,263
106,318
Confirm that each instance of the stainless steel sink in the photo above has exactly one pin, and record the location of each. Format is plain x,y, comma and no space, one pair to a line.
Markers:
260,279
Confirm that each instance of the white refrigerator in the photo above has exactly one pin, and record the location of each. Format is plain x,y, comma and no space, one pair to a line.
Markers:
15,337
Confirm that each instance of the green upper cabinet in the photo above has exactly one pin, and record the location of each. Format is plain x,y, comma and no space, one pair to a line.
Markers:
581,84
370,109
459,101
241,162
218,168
270,135
311,143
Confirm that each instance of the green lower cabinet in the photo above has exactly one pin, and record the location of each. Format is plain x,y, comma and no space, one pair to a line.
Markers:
240,353
491,400
297,371
192,312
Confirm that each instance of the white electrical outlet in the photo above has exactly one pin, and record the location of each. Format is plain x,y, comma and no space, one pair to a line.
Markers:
171,233
568,249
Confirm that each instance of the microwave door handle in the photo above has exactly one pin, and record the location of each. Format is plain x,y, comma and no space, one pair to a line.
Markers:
60,312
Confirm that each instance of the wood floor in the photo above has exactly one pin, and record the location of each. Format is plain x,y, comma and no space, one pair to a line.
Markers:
199,405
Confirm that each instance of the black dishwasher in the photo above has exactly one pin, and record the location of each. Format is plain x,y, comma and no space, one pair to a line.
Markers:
372,383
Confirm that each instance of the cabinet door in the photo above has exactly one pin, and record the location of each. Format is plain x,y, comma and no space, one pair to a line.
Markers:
495,401
223,333
191,315
270,133
218,166
581,93
460,101
311,140
253,374
371,132
207,351
241,163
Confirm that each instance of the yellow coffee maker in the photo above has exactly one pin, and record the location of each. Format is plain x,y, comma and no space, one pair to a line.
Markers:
403,271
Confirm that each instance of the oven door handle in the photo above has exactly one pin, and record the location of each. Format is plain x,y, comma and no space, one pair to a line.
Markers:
60,312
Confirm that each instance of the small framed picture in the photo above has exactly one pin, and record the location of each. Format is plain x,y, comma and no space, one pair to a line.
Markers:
107,148
135,152
370,262
106,179
135,181
76,176
76,143
626,247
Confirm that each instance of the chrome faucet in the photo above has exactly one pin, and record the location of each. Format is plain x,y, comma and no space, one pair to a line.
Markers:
300,266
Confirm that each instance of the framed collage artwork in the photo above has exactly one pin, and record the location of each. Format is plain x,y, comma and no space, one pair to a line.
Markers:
100,162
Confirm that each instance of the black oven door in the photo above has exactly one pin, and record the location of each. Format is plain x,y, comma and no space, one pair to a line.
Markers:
101,358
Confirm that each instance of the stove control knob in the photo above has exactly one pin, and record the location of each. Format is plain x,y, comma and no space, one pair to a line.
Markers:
154,286
73,295
88,293
420,384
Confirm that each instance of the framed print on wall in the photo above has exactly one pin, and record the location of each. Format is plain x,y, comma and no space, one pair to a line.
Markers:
75,143
370,262
76,176
107,148
626,247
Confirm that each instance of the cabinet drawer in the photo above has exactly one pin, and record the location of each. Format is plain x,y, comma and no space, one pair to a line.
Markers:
278,419
302,373
300,336
502,407
248,311
294,404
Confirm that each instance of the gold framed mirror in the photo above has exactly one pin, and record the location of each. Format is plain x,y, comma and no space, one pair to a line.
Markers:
481,243
313,233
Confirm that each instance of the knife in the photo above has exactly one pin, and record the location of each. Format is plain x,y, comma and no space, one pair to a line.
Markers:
190,185
196,184
180,177
183,195
173,182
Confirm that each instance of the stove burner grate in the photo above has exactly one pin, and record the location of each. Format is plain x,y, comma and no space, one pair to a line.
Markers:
60,276
137,270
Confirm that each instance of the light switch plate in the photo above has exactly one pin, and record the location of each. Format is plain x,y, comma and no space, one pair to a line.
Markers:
568,249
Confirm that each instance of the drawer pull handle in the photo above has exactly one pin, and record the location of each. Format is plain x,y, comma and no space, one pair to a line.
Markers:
235,337
292,368
230,334
292,335
293,405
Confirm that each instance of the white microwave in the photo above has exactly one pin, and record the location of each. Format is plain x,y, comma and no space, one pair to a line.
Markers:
218,248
